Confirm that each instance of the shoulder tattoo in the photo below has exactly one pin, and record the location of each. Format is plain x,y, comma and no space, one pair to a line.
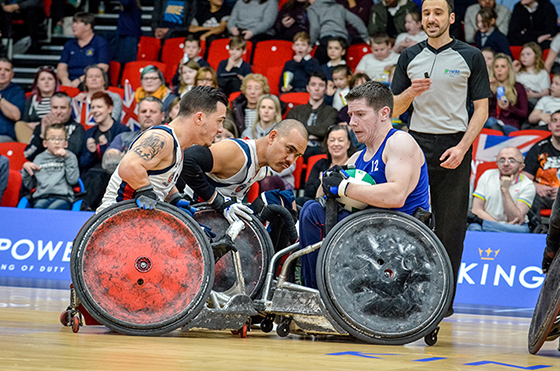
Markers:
149,147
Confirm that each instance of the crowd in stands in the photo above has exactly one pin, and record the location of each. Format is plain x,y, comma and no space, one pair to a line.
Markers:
73,114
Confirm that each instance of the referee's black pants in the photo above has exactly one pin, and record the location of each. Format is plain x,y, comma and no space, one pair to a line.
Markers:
449,194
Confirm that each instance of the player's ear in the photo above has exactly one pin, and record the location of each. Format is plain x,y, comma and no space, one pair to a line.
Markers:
272,136
199,118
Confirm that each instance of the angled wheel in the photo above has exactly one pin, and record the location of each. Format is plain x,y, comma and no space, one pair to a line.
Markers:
65,318
267,325
384,277
283,329
255,250
142,272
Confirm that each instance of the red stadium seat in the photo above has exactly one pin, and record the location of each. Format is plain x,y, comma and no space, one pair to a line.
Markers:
119,91
171,55
273,75
300,167
133,70
114,72
70,90
481,168
311,161
545,54
515,51
355,54
11,194
148,49
272,53
218,51
14,152
234,95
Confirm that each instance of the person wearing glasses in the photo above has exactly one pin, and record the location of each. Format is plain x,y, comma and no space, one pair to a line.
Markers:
503,196
56,173
153,85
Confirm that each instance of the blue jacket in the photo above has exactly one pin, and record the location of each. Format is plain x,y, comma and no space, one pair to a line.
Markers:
90,159
16,96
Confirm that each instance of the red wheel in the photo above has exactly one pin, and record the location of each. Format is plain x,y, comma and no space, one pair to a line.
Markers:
243,331
64,318
75,323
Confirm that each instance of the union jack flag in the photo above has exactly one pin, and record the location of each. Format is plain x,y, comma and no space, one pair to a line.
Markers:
82,113
130,109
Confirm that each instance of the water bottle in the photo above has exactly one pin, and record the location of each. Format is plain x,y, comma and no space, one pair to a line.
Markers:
101,9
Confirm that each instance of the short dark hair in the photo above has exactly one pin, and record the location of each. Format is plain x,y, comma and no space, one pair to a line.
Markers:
85,18
56,127
450,5
61,94
343,68
191,38
318,74
341,40
7,60
106,98
376,94
201,98
325,144
151,98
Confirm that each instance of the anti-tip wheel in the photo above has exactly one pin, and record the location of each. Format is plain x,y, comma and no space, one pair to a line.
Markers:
266,325
431,338
75,323
283,330
64,318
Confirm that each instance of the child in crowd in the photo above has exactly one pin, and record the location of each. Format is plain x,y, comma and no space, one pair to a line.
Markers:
531,72
488,35
546,106
342,74
192,49
188,73
229,131
414,32
232,70
56,174
376,65
297,71
489,55
336,49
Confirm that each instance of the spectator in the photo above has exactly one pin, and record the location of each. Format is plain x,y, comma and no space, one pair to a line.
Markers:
171,18
244,107
510,110
86,49
338,147
229,131
96,142
503,196
232,70
541,115
187,76
269,114
489,55
191,48
54,174
210,21
253,19
206,76
61,113
315,115
533,20
292,19
532,74
95,80
362,8
12,101
296,72
38,104
342,118
153,84
541,166
173,110
31,12
414,32
125,43
377,63
503,16
150,113
388,17
328,19
342,75
336,50
488,36
552,63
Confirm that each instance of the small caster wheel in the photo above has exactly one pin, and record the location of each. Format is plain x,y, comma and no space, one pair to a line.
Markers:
431,338
243,331
283,329
75,323
65,318
267,325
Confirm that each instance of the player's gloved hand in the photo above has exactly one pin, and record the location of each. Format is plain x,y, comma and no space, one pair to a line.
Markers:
231,210
548,257
178,200
334,184
145,197
222,247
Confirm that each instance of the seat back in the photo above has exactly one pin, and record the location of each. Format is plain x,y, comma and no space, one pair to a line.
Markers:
148,49
171,55
516,52
311,161
114,73
271,53
300,168
70,90
294,99
133,70
14,152
355,54
11,194
218,51
481,168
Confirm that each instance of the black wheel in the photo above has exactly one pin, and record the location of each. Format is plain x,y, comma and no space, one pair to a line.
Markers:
431,338
283,329
142,272
384,276
254,246
267,325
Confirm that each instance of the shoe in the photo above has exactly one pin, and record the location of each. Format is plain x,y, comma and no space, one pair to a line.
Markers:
58,30
473,218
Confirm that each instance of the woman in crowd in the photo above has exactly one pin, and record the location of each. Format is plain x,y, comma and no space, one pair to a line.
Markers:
244,107
38,104
229,131
95,81
153,84
206,76
268,115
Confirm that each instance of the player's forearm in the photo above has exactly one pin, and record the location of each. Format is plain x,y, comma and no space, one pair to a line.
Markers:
386,195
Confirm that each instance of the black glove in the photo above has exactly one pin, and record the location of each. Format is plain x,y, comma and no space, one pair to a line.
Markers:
145,197
547,260
222,247
334,184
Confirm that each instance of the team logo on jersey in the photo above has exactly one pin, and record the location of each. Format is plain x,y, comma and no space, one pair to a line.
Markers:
90,52
452,72
241,187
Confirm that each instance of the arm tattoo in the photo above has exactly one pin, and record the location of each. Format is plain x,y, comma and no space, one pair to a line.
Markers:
149,147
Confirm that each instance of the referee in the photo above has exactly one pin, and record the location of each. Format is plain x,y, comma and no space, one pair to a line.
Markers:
444,79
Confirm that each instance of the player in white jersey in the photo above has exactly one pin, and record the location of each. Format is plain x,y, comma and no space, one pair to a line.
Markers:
230,167
149,170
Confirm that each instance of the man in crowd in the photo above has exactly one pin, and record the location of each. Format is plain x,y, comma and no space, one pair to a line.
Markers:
12,101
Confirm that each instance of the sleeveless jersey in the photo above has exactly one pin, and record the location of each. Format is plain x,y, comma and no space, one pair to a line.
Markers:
162,180
375,167
238,185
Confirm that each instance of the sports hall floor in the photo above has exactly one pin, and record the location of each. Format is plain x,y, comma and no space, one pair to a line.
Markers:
31,338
